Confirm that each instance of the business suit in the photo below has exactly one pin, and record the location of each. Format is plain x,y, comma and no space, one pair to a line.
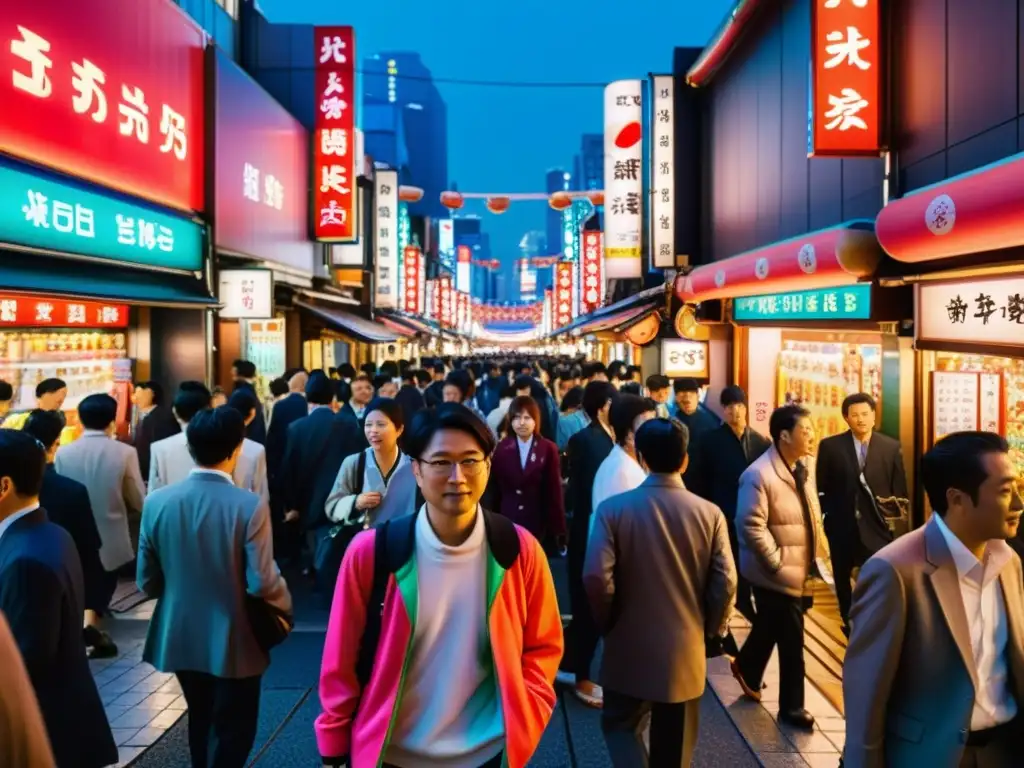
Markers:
42,595
433,395
410,400
909,677
700,423
156,425
23,739
659,558
172,463
530,496
286,412
205,544
257,429
853,524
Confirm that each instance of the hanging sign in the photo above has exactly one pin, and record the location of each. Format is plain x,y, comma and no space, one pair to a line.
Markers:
851,302
846,77
17,311
663,214
412,300
976,312
334,150
592,280
623,178
447,301
386,240
682,358
563,294
463,269
246,293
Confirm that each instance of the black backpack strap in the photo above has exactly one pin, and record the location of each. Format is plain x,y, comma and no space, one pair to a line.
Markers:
360,472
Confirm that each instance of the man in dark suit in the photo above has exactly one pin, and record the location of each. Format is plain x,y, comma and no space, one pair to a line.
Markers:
154,422
287,411
433,395
409,397
42,594
587,449
244,374
854,469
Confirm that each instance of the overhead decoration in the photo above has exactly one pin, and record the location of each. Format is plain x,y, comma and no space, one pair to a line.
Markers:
498,204
452,200
560,201
408,194
596,197
531,313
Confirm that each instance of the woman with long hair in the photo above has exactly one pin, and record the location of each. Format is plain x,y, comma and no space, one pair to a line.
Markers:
526,482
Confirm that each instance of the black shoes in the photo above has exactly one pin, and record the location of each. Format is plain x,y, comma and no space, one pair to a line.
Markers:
797,718
98,644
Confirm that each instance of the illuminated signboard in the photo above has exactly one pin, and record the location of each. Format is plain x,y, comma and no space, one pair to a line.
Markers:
851,302
386,223
591,282
18,311
563,308
663,214
412,267
623,178
846,77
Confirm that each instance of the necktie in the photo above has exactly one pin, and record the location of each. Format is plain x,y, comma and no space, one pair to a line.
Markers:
863,451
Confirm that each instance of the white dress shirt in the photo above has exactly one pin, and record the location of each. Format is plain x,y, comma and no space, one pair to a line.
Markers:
524,450
208,471
11,519
987,621
618,473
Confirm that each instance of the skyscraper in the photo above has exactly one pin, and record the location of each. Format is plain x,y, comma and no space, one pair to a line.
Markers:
590,174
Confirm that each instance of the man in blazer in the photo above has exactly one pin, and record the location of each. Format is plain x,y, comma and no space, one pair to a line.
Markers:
244,374
205,546
659,558
934,672
23,739
846,462
155,420
170,461
41,593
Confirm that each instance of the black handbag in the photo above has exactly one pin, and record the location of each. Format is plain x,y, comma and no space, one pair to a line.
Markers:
270,625
332,545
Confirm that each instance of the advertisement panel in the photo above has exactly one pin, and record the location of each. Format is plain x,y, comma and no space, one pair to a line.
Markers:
592,279
623,178
18,311
663,213
39,211
973,312
246,293
684,358
463,273
385,216
563,309
846,77
432,299
261,172
412,264
106,90
334,151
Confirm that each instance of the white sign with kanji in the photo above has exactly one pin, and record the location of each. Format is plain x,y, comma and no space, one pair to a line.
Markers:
663,215
623,178
386,239
246,293
977,312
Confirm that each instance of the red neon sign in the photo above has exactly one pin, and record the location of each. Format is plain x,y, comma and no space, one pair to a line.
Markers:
447,298
18,311
106,90
334,142
412,301
563,293
591,267
846,74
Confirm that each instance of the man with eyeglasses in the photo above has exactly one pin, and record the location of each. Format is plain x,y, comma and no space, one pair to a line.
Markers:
445,635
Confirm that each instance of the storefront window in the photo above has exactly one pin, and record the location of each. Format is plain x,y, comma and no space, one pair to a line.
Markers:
263,344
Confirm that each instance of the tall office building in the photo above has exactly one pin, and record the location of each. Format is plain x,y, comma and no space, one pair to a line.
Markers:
400,78
590,162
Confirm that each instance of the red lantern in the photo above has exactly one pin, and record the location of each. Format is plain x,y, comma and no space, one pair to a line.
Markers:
410,194
560,201
452,200
596,197
498,204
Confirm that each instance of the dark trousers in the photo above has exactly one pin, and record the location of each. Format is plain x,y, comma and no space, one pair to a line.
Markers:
998,747
673,731
744,593
846,555
581,645
779,621
222,717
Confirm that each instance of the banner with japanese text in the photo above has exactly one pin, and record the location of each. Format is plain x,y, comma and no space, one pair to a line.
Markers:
447,301
463,269
19,311
107,90
546,314
592,279
334,156
663,185
432,299
623,178
563,308
385,217
412,264
846,78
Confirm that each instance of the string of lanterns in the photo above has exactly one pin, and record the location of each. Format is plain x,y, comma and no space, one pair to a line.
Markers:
499,203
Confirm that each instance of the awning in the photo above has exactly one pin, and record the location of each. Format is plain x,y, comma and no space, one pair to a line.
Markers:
359,328
724,41
830,257
981,210
415,323
74,278
617,316
402,330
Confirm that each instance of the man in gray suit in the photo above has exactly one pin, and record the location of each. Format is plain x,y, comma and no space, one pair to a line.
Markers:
109,470
934,672
661,581
205,546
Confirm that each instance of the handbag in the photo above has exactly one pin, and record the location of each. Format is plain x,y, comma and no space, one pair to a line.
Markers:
270,625
332,545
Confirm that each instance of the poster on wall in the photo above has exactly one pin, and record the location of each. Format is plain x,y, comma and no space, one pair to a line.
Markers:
964,401
683,358
263,343
663,212
623,178
334,150
245,293
386,240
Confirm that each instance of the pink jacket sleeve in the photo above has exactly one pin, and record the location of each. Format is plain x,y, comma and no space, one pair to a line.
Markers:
339,686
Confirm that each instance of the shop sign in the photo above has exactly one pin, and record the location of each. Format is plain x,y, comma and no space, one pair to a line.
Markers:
246,293
982,312
966,402
546,312
846,77
412,299
682,358
446,301
261,174
41,212
334,152
563,294
592,282
663,215
463,267
446,243
851,302
18,311
432,299
106,90
385,219
623,178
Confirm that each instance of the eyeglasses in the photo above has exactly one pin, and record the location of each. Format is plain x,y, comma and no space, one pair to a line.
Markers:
443,467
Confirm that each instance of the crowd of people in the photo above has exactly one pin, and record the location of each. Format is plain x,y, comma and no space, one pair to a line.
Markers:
425,504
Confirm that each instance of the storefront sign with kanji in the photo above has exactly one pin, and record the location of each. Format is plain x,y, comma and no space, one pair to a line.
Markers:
592,278
447,301
246,293
981,312
412,266
563,297
17,311
851,302
623,178
663,215
385,221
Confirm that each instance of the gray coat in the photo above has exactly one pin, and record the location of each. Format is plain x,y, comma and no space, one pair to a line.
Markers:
170,462
660,577
398,495
109,470
204,544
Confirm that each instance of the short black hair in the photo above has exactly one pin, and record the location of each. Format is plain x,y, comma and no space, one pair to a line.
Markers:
191,398
656,382
346,370
462,379
97,411
956,461
380,380
278,387
438,367
784,419
49,386
156,388
662,444
858,398
590,370
732,395
631,388
45,426
595,395
422,377
244,401
427,422
320,390
370,369
244,369
6,391
23,459
214,434
685,385
625,410
389,407
573,399
524,382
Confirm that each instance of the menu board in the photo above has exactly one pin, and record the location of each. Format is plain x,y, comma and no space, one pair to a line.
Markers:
992,403
955,403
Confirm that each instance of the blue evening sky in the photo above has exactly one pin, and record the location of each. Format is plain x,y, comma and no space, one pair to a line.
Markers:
504,139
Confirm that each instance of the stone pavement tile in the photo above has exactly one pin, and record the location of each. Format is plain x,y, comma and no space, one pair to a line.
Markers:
122,735
145,737
822,760
807,742
760,729
167,718
133,718
832,724
127,754
782,760
178,703
158,700
838,738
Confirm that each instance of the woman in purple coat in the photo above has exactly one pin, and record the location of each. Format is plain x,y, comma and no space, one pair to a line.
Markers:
526,478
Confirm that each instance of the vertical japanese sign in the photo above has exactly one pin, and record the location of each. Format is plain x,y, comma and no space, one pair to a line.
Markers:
334,151
663,215
547,311
591,282
463,270
846,87
563,294
385,223
446,243
623,178
447,301
412,295
432,300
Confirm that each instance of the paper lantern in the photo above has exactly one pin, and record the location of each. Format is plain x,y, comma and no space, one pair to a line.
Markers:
498,204
452,200
410,194
596,197
560,201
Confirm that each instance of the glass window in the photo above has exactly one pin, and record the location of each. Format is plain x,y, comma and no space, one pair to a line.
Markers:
231,6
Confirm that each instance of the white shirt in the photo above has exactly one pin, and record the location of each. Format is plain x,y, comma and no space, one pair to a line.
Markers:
524,450
205,471
7,523
987,621
618,473
450,715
